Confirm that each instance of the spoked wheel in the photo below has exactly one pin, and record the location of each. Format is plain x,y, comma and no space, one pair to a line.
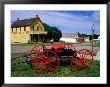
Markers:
46,63
82,60
35,50
69,46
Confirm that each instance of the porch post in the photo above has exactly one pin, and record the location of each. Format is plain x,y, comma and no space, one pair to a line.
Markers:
38,37
42,37
32,37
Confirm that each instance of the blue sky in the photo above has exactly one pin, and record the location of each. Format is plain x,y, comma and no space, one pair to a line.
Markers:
66,21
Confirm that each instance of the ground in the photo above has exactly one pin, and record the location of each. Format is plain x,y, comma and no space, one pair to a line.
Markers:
23,49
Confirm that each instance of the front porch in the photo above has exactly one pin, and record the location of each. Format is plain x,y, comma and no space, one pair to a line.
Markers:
37,37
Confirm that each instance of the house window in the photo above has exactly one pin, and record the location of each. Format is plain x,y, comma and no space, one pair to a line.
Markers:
16,29
33,28
20,28
37,28
12,30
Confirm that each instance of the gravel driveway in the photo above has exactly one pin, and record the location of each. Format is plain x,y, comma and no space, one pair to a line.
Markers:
22,49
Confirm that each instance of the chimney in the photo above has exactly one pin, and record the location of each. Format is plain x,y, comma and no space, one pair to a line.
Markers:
17,19
36,16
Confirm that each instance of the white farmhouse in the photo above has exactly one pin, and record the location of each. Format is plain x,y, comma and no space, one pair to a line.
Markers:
69,37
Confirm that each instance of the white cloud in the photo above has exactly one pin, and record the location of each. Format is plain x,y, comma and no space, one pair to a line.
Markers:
71,21
68,22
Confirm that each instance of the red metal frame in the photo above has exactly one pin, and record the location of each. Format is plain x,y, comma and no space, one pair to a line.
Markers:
46,59
69,46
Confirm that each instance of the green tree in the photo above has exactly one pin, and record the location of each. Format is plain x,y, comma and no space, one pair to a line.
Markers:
57,34
52,33
81,35
49,31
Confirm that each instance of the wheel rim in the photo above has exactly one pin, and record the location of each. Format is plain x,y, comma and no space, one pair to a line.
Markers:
36,50
84,58
49,61
69,46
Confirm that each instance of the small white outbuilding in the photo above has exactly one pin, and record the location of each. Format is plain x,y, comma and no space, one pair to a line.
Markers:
69,37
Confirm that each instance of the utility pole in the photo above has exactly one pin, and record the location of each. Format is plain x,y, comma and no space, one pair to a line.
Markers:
92,28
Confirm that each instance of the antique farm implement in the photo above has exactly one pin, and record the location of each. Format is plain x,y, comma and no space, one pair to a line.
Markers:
47,59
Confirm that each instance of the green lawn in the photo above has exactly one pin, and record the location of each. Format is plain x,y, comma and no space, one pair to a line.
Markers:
30,44
36,44
24,70
97,44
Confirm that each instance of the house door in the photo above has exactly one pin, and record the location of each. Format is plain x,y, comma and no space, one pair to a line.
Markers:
35,38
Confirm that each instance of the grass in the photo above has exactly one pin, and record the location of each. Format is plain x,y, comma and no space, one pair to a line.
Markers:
14,55
25,70
30,44
96,44
35,44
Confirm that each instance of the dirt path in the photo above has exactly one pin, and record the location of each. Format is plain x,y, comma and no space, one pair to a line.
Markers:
22,49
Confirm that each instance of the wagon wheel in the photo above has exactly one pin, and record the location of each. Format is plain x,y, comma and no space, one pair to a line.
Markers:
35,50
82,60
46,63
69,46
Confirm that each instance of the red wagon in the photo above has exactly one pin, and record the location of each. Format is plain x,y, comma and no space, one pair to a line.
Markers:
48,59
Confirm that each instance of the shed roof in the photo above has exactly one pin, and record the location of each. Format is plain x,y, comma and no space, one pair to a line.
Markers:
68,35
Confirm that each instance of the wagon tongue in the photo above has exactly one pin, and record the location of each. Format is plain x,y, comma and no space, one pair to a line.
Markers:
56,46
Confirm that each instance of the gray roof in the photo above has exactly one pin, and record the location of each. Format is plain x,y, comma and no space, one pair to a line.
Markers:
68,35
24,22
